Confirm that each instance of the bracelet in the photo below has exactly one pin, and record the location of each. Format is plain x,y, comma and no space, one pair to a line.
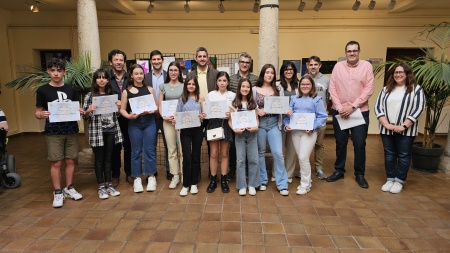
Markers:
405,127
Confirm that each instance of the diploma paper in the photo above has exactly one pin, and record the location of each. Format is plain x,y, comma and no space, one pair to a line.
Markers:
63,111
276,105
105,104
355,119
302,121
169,107
186,119
143,103
243,119
215,109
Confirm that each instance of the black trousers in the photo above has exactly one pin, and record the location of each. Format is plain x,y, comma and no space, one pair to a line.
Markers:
191,145
103,159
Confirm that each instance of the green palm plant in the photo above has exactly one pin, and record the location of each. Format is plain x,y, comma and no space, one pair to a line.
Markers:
79,74
432,71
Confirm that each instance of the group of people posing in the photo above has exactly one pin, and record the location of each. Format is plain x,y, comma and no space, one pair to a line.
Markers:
241,150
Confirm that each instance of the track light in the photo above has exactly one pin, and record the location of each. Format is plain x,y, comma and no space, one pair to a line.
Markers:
221,7
150,7
356,5
392,4
372,4
34,7
301,6
256,6
318,5
187,9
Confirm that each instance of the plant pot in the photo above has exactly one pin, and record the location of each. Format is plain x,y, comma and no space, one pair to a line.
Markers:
426,159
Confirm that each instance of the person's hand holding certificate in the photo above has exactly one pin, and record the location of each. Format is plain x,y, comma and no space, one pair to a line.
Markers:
355,119
64,111
142,104
105,104
169,107
302,121
276,105
186,119
215,109
243,119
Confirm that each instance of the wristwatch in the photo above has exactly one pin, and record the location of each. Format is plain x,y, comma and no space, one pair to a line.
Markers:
354,108
405,127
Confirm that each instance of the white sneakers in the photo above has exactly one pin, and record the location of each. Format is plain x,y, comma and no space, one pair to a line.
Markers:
112,191
184,191
263,187
102,193
175,181
137,185
243,191
151,186
194,189
290,180
72,193
302,191
251,191
284,192
58,199
392,187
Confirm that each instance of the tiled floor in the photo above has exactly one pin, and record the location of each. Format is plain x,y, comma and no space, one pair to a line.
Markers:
333,217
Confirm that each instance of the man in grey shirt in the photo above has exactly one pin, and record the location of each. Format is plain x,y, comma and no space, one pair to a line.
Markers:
245,63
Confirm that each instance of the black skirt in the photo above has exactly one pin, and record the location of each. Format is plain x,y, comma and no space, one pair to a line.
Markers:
215,123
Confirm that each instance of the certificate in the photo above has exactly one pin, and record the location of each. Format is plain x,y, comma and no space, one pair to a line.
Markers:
302,121
105,104
63,111
169,107
186,119
276,105
355,119
215,109
142,104
243,119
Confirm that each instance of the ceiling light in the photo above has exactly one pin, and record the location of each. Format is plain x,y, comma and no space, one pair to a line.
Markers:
356,5
318,5
187,9
221,7
301,7
391,4
34,7
372,4
150,7
256,7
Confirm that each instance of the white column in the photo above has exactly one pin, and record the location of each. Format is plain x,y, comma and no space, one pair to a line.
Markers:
268,33
88,37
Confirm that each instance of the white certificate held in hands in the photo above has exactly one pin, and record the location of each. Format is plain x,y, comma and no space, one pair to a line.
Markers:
142,104
169,107
105,104
63,111
302,121
355,119
276,105
243,119
186,119
215,109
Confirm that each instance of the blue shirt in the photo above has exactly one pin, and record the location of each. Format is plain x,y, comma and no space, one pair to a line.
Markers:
309,105
156,81
191,105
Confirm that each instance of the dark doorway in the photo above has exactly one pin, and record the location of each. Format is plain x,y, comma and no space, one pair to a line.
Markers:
396,53
46,55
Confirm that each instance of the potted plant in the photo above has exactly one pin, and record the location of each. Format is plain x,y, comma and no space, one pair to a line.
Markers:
432,72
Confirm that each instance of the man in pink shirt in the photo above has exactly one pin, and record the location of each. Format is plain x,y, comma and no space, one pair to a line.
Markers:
351,86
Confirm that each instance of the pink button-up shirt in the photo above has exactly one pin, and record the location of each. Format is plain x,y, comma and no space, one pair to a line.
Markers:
351,86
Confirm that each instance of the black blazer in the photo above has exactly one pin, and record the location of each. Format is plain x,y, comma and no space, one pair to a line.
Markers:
115,86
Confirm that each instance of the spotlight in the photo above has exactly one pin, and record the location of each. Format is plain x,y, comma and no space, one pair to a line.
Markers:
187,9
318,5
34,7
372,4
150,7
256,7
221,7
301,7
392,4
356,5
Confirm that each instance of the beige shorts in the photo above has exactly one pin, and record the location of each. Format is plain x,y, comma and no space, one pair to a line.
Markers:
62,146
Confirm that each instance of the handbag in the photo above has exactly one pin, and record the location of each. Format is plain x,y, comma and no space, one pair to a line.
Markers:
215,134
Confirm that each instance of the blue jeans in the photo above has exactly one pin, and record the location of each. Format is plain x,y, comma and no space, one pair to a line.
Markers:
359,136
142,137
247,148
268,131
397,156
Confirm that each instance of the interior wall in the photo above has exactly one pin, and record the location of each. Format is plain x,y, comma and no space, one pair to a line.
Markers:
300,35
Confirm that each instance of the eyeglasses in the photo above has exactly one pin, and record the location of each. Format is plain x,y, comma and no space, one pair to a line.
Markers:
291,69
244,62
399,72
305,84
352,51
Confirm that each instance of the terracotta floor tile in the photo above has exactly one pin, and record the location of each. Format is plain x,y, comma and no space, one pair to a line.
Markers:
98,234
345,242
132,247
231,226
359,231
227,237
164,225
316,230
208,236
88,246
205,247
189,226
209,226
111,246
55,233
321,241
416,244
252,238
382,232
163,236
141,235
231,216
275,240
277,249
211,216
272,228
120,234
18,244
227,248
186,236
338,230
392,243
76,233
178,247
367,242
147,224
248,227
298,240
65,246
253,249
251,217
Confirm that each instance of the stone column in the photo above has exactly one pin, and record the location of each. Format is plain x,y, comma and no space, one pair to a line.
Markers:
268,33
88,41
88,38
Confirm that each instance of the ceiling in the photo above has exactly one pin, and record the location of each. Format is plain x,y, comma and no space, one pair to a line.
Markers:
131,7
